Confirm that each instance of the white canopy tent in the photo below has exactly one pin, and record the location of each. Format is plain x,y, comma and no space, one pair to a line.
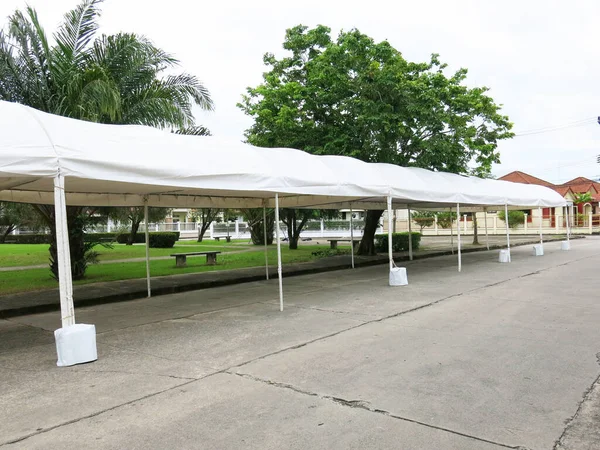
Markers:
48,159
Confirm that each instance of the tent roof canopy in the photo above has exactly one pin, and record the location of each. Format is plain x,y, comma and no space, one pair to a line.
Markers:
121,165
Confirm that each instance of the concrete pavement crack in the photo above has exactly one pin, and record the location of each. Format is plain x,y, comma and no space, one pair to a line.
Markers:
401,313
95,414
570,422
366,406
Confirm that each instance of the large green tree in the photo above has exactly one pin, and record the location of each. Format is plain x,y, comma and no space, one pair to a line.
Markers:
118,79
356,97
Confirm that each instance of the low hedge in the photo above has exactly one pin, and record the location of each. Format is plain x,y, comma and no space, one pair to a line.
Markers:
140,237
165,239
120,238
399,242
28,239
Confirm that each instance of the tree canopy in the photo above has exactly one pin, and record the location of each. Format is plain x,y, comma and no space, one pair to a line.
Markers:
353,96
356,97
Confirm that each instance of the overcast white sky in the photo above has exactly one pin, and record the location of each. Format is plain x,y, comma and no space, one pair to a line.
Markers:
539,57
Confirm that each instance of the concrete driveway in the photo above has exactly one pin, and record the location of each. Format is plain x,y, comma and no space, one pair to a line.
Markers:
498,356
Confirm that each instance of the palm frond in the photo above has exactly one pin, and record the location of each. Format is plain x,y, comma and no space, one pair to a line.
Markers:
189,86
24,60
195,130
78,28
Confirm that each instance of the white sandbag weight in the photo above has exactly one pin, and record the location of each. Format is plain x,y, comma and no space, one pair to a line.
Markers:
398,276
504,256
75,344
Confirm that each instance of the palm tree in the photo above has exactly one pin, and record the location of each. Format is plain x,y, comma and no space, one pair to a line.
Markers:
114,79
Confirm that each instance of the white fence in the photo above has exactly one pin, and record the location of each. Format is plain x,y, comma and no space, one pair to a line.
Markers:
240,230
550,224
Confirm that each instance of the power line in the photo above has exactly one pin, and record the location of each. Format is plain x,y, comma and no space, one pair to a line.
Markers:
577,124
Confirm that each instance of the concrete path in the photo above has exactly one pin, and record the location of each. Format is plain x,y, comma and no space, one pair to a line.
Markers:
498,356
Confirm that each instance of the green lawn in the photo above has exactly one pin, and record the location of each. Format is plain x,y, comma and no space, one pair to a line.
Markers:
13,255
36,279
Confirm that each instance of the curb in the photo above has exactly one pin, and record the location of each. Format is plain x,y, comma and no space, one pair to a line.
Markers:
207,284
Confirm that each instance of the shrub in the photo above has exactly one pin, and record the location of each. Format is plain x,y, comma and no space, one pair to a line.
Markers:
163,239
140,238
515,218
329,252
423,218
28,239
445,219
101,237
122,238
96,238
399,242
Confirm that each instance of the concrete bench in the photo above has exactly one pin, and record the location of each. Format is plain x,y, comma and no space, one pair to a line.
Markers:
181,258
218,238
334,242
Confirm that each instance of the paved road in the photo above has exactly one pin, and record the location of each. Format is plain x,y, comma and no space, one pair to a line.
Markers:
499,356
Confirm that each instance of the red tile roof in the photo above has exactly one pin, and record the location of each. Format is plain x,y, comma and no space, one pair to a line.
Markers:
581,188
581,184
575,186
525,178
562,190
578,180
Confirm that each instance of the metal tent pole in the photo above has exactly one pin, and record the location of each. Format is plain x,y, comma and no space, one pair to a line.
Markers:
279,274
265,237
458,236
507,231
487,238
146,233
351,236
541,220
410,250
389,205
451,233
568,223
65,277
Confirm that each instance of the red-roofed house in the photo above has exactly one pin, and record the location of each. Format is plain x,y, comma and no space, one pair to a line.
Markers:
568,190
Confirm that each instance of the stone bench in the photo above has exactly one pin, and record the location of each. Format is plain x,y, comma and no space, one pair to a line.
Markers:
218,238
181,258
334,242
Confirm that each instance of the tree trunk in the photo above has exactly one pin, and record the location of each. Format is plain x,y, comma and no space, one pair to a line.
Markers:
290,222
257,232
203,228
9,229
367,243
135,226
475,236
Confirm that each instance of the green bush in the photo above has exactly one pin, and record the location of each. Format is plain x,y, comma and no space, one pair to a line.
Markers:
399,242
28,239
140,238
45,238
165,239
101,237
329,252
515,218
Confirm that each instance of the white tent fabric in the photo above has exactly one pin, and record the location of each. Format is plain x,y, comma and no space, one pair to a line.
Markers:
55,160
116,165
